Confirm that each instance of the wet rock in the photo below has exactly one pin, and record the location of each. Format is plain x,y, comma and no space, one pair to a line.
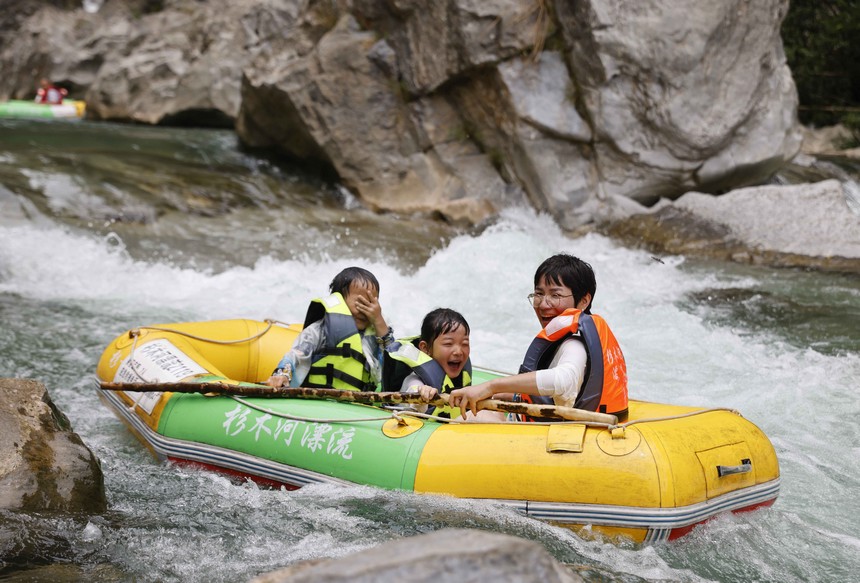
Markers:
459,108
436,42
336,105
445,555
44,465
807,225
830,141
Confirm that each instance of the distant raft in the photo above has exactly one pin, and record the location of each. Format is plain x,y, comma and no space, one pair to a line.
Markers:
69,109
665,470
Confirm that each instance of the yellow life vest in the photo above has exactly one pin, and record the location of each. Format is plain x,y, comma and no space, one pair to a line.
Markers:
341,363
404,357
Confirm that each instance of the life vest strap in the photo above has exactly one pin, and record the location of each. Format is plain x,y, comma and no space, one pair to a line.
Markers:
345,351
331,373
622,415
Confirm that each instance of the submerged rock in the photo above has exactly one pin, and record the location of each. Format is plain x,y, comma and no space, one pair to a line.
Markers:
44,465
445,555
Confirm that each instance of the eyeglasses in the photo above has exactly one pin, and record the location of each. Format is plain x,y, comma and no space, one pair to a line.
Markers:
551,299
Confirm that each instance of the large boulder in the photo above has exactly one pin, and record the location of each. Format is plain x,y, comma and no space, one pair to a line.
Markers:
457,106
569,102
450,554
184,65
178,65
682,95
806,225
44,465
337,105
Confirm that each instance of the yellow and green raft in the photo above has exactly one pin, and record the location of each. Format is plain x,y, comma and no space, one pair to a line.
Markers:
654,477
68,109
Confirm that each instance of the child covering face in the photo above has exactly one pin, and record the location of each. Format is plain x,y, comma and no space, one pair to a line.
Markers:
342,342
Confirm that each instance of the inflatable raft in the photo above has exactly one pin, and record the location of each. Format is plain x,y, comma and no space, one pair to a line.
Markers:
652,478
69,109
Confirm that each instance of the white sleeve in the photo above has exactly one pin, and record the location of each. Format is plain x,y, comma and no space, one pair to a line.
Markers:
563,379
411,383
372,354
308,342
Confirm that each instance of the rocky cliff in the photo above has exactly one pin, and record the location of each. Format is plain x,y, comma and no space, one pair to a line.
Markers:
460,106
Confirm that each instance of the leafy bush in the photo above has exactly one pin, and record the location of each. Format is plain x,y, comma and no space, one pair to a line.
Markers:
822,49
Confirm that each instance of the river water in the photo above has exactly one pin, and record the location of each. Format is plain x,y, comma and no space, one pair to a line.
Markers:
106,227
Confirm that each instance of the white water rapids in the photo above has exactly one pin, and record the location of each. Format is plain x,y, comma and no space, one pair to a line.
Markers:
779,346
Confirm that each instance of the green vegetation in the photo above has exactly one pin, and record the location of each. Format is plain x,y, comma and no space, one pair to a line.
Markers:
822,45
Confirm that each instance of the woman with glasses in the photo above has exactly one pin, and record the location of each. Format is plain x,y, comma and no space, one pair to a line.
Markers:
574,360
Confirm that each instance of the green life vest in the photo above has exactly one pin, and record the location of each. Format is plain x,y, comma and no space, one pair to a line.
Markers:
340,364
404,357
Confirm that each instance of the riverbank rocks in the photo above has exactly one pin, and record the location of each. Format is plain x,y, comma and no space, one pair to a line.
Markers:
44,465
807,225
457,108
830,141
445,555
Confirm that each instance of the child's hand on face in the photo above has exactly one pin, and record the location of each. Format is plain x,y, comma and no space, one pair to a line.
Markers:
367,304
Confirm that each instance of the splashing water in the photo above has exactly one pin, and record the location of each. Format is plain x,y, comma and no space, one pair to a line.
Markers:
780,346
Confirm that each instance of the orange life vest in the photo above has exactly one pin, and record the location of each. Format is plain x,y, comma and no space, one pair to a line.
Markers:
604,387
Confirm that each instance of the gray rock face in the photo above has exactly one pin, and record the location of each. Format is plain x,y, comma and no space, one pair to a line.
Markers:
445,555
812,219
458,106
807,225
44,465
683,95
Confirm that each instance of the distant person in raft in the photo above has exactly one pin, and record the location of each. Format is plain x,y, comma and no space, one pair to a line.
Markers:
49,94
435,362
343,339
574,360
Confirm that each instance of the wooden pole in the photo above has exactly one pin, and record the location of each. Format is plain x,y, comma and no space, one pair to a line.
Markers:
365,397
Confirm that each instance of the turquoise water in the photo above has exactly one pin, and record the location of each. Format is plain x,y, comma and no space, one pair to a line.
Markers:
103,228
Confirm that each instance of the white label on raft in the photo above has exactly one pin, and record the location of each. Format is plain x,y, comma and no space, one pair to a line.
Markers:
159,361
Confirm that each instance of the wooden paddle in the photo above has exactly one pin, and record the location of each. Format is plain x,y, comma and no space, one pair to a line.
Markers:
366,397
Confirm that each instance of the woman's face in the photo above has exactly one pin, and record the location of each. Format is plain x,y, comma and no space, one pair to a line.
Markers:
551,299
450,349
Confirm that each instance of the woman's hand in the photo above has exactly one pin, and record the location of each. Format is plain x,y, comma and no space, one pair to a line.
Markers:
427,393
467,398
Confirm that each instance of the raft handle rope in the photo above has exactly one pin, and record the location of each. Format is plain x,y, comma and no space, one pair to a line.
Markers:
134,334
397,415
405,412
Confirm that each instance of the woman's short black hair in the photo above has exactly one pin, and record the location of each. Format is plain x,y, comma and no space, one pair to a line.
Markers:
344,279
571,272
440,321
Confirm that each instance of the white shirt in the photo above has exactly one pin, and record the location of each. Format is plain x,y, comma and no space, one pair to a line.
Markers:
410,385
563,379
